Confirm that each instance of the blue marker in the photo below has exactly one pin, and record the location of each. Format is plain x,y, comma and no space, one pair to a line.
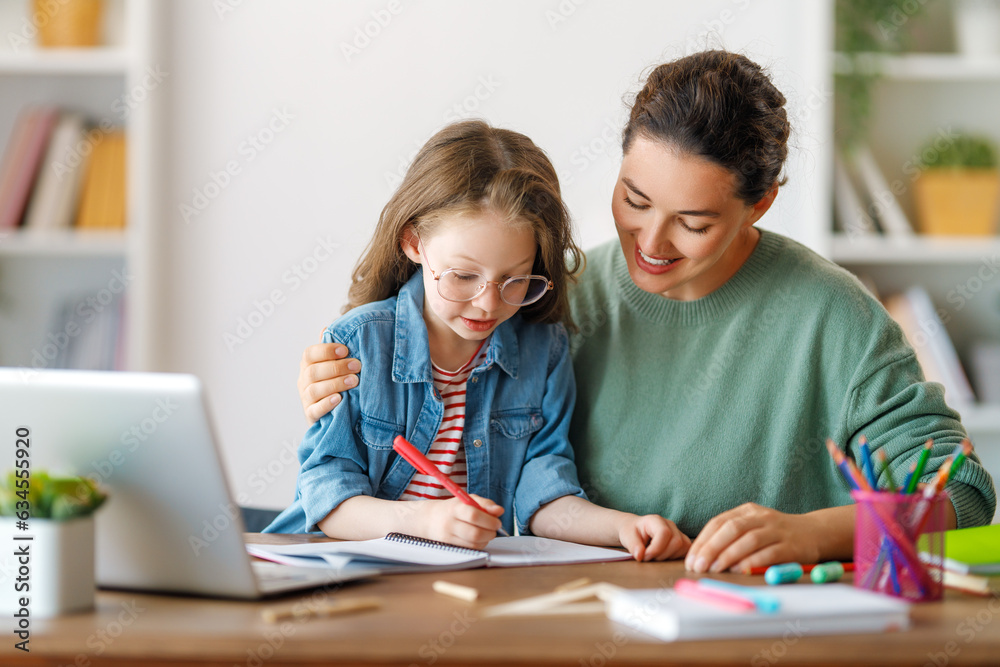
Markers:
765,602
785,573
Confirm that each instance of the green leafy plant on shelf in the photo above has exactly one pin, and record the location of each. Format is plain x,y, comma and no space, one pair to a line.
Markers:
50,497
965,152
864,28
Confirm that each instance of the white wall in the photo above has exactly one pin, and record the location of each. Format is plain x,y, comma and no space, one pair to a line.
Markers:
338,129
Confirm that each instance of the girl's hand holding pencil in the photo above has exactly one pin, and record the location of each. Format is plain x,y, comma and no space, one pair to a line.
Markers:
454,522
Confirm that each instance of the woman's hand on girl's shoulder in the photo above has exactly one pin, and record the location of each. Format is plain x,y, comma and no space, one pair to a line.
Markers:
651,537
324,372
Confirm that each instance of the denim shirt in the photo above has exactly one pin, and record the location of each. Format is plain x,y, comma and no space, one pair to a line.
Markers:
518,407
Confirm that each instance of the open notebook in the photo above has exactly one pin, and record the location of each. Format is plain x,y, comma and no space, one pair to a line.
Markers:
397,552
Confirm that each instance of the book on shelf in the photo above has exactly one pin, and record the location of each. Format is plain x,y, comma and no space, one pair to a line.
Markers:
397,553
864,201
985,361
817,610
54,174
21,159
102,204
849,211
57,189
93,334
914,311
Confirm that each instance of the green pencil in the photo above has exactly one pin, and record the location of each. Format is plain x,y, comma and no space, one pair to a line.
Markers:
884,460
965,449
919,470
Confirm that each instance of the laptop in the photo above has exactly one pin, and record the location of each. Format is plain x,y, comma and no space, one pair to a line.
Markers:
170,523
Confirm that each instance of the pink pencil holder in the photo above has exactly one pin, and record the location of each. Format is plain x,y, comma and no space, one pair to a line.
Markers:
899,544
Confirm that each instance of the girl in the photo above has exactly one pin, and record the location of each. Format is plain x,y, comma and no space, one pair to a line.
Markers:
456,306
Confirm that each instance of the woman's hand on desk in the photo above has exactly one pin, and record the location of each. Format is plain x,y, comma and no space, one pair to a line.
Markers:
754,536
324,372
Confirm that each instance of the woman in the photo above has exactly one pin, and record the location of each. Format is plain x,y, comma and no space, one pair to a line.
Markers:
714,359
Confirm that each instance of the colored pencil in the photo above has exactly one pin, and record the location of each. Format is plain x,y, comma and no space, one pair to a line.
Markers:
960,455
884,469
919,470
866,462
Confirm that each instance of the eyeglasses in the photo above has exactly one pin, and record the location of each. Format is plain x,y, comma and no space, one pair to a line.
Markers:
462,285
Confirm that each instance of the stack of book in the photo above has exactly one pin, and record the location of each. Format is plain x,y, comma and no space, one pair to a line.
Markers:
58,173
971,559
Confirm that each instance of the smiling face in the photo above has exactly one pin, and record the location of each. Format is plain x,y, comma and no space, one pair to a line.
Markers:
483,243
683,231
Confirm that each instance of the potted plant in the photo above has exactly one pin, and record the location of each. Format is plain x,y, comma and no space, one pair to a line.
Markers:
47,533
957,192
68,23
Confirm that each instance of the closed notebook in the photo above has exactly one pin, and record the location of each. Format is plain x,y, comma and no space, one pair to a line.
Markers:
404,553
973,550
972,583
806,610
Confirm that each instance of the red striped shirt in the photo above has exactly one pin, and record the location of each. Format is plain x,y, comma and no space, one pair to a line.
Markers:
446,452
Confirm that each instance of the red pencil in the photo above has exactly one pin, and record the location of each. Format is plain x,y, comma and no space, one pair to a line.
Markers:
424,465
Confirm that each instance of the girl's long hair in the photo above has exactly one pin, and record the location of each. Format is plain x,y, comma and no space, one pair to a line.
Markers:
467,168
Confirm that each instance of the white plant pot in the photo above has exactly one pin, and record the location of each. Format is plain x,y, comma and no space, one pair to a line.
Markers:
56,576
977,27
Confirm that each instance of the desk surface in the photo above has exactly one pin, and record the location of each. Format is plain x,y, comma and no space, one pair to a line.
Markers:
418,627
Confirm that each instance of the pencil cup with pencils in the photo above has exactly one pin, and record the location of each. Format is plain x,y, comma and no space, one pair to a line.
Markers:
891,532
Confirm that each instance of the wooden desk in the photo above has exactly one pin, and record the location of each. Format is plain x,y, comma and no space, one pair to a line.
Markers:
419,627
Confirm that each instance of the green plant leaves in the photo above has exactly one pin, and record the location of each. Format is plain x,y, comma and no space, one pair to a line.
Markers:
57,498
965,152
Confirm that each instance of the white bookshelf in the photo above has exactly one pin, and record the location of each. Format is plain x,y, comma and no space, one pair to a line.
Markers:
922,67
113,61
41,271
927,250
64,243
918,95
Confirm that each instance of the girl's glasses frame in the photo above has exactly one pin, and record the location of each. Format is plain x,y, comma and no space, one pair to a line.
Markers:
453,283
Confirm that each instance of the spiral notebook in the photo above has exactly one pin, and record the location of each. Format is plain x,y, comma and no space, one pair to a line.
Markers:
397,552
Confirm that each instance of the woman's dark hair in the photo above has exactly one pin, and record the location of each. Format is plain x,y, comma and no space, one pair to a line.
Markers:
720,106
